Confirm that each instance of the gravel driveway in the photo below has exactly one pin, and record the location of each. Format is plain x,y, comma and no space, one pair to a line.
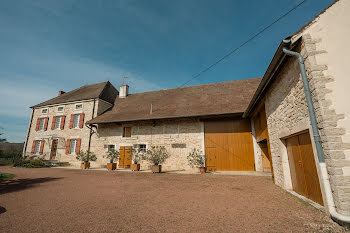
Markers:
64,200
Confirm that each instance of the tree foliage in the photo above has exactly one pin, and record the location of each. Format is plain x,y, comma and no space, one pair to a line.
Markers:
86,156
196,158
157,155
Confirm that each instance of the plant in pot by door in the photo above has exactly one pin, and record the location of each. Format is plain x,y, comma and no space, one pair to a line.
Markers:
112,155
85,157
157,155
136,157
197,159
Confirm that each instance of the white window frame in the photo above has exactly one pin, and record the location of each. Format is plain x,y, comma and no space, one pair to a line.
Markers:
44,113
59,123
37,147
107,146
137,146
73,152
78,109
41,126
78,121
59,108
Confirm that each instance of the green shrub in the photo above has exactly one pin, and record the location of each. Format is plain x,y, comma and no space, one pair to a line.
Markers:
86,156
5,176
196,158
157,155
35,163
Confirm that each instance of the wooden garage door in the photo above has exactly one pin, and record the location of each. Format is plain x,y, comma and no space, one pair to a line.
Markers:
229,145
303,168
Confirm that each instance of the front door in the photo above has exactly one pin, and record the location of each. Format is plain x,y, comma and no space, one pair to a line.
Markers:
125,157
53,149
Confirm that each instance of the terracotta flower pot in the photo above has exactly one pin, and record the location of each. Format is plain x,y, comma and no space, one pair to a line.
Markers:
203,169
135,167
85,165
156,168
111,166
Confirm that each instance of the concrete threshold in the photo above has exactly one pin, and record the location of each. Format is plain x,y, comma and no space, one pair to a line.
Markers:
230,173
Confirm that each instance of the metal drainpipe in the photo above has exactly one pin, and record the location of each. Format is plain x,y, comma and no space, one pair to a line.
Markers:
323,169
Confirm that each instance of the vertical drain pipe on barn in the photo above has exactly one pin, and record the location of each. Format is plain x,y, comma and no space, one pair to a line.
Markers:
323,169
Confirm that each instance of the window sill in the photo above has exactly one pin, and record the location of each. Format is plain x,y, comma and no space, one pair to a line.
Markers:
129,138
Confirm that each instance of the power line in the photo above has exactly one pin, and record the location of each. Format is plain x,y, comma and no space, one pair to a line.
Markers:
243,44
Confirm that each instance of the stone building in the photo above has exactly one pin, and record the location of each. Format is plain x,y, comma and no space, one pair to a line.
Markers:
264,125
280,106
57,129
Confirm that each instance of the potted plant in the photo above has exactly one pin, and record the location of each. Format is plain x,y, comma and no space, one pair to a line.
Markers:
136,157
157,155
112,155
85,157
197,159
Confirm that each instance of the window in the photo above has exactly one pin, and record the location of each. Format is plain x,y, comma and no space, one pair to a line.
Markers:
142,148
37,147
44,111
110,147
60,109
76,121
41,123
127,132
72,146
78,106
58,122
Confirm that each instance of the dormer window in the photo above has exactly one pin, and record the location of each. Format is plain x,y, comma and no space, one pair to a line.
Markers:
60,109
78,106
44,111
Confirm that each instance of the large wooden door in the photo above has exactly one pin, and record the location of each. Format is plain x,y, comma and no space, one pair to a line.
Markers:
303,167
125,157
229,145
53,149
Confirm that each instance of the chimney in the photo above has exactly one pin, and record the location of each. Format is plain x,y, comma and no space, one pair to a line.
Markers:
60,92
124,91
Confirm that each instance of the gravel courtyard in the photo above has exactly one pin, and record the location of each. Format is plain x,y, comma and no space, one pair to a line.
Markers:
67,200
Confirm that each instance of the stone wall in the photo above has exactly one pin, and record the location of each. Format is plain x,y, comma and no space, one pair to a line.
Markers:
178,136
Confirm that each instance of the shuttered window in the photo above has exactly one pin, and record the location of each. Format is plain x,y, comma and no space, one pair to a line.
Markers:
72,146
58,122
37,147
76,120
127,132
41,123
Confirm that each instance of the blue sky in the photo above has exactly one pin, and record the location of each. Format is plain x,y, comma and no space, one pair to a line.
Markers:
50,45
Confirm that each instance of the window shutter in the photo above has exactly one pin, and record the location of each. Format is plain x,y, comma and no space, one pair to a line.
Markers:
81,122
33,146
67,146
37,124
77,148
41,147
53,123
71,121
46,123
63,118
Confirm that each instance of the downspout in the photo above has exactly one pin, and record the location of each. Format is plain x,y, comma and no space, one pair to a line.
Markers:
28,132
323,169
91,131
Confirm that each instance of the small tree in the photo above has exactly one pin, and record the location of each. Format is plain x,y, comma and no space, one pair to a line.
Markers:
157,155
136,155
196,158
112,155
86,156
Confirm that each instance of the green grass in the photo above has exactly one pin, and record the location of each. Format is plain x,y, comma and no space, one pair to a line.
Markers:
6,176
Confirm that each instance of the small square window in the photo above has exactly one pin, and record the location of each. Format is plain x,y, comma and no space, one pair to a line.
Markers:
44,111
41,123
60,109
76,121
142,148
111,147
127,132
78,106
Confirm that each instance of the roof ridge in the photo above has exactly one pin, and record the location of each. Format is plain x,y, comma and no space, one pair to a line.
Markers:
206,84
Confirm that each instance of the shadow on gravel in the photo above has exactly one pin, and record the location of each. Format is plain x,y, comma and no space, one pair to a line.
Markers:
20,184
2,210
